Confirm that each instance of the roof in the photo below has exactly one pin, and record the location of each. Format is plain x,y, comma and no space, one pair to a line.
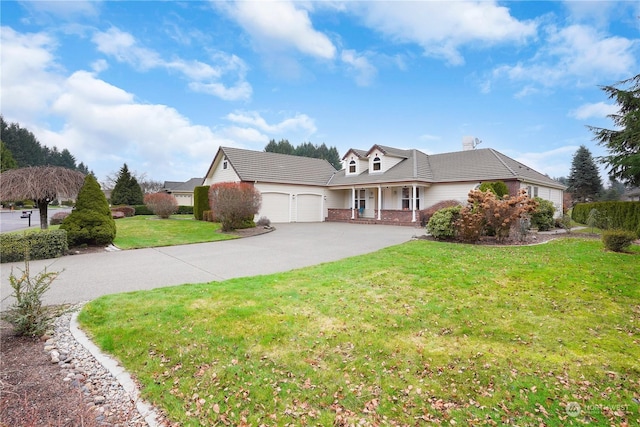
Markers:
470,165
177,186
264,166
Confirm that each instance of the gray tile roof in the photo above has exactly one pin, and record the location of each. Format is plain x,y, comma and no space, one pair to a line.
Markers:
278,168
461,166
182,186
472,165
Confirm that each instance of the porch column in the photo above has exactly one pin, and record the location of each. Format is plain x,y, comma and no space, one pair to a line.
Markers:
353,202
379,202
413,207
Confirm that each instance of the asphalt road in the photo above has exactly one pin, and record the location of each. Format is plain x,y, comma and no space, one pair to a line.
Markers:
11,220
85,277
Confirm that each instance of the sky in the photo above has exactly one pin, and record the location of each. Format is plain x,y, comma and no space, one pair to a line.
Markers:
160,85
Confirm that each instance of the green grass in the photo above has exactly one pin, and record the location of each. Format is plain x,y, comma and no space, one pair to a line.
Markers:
423,331
146,231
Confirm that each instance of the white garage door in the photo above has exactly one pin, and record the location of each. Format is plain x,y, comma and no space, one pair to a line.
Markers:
275,206
309,208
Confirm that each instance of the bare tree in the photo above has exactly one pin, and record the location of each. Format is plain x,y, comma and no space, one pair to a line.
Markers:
42,184
148,185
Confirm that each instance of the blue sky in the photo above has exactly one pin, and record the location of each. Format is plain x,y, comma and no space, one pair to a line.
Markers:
161,85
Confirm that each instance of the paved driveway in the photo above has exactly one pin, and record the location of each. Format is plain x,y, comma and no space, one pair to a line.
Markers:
290,246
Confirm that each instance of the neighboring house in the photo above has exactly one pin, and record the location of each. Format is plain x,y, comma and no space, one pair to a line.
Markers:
182,191
382,184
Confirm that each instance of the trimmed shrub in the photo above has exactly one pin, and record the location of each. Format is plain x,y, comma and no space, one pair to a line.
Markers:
618,240
161,204
142,210
200,201
208,216
425,214
91,221
56,218
542,217
128,211
185,210
442,223
234,204
41,245
117,215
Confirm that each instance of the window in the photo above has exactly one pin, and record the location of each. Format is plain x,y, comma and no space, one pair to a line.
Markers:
532,191
407,198
224,164
352,166
376,163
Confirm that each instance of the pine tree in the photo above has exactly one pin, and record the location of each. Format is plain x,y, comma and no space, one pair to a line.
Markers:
126,191
584,180
624,143
6,158
91,221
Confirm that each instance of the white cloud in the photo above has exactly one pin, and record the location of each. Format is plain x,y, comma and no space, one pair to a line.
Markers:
280,25
300,123
29,79
577,55
64,8
442,28
555,163
205,78
596,110
360,65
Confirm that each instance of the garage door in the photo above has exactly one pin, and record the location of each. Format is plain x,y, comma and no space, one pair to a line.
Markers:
309,208
275,206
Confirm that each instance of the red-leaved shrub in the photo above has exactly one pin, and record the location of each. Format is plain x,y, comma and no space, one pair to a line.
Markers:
234,204
128,211
161,204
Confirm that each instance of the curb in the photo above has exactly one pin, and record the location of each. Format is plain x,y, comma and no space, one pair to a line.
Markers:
149,414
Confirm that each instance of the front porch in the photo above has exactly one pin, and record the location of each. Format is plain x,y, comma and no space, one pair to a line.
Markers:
386,217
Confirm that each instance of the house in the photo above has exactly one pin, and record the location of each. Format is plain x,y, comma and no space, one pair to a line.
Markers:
182,191
382,184
632,194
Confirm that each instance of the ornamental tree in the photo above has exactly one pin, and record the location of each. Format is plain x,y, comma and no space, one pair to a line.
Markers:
234,204
42,184
584,181
161,204
127,190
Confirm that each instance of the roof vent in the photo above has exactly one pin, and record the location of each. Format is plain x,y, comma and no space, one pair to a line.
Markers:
470,143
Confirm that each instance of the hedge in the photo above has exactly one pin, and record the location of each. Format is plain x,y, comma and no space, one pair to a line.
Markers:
619,215
200,201
41,245
182,210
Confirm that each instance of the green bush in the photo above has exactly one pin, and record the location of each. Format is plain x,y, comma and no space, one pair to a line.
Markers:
542,217
200,201
91,221
616,215
618,240
27,314
142,210
498,188
442,223
44,244
185,210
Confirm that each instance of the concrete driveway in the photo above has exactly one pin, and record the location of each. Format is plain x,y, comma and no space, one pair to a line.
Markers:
290,246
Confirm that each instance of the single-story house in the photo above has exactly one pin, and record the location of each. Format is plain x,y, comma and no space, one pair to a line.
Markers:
632,194
382,184
182,191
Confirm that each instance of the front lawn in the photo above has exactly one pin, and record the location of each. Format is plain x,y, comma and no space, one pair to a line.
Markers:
424,332
146,231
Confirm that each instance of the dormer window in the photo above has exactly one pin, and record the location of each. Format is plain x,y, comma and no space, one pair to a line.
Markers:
352,166
377,163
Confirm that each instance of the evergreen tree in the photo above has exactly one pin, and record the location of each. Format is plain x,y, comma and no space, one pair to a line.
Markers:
584,180
306,149
126,191
91,221
6,158
623,143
